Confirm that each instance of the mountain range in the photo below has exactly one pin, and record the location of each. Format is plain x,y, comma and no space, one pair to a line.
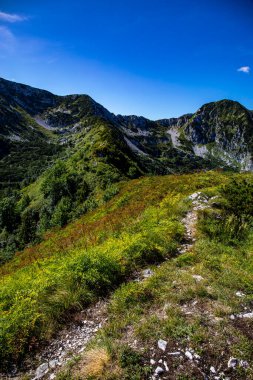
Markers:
37,127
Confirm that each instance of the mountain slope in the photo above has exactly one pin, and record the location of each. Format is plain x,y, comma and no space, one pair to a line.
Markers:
219,130
71,152
194,300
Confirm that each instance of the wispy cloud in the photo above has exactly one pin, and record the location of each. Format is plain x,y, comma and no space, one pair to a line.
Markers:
244,69
7,39
26,49
11,17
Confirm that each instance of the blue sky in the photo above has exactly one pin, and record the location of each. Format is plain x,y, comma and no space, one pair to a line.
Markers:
156,58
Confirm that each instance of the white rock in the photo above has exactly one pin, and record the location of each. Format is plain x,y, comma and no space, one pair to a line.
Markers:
53,363
147,273
196,356
212,369
194,196
166,366
160,361
197,277
243,364
174,353
41,370
52,376
246,315
159,370
162,344
152,361
232,363
188,354
240,294
232,316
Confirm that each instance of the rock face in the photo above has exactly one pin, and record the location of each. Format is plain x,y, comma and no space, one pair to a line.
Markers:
221,131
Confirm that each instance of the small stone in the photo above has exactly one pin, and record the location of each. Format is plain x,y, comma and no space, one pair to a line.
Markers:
232,363
197,277
240,294
160,361
188,354
147,273
166,366
159,370
246,315
196,356
162,344
194,196
212,369
243,364
232,317
52,376
41,370
174,353
152,362
53,363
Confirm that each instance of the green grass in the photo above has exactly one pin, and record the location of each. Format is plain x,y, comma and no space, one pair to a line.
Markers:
91,257
173,306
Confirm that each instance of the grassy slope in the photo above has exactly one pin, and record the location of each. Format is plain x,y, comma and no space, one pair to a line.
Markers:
74,266
172,305
93,161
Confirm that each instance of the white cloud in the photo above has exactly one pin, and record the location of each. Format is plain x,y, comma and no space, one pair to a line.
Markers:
244,69
10,17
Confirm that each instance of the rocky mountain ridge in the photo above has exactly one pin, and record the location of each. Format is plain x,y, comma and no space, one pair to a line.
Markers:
220,133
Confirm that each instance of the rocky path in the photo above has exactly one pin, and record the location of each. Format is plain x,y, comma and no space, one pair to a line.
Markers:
163,355
199,202
68,343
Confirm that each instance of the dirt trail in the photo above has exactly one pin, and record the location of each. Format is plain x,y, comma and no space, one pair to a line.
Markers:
69,342
199,202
